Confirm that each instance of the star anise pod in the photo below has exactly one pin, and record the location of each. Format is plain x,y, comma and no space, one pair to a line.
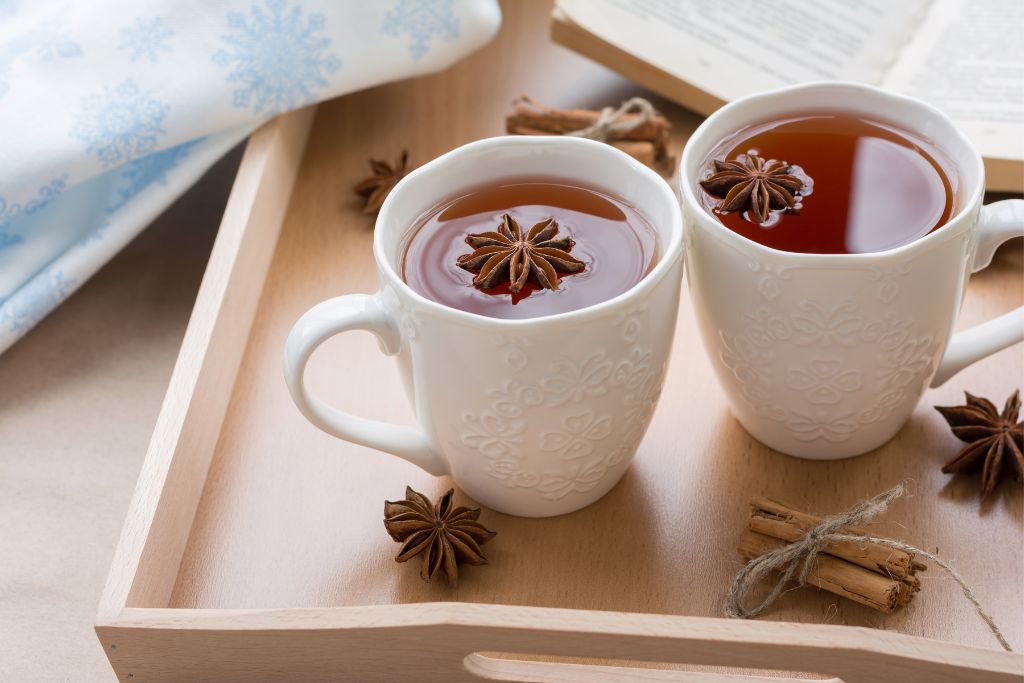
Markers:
376,188
507,255
750,182
443,534
995,441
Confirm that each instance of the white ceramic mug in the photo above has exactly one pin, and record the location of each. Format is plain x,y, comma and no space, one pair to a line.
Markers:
533,417
825,355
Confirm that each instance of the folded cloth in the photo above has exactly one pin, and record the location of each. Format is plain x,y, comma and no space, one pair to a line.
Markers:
111,109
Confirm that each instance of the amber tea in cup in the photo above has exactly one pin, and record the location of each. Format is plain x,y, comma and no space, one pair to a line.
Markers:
828,183
526,248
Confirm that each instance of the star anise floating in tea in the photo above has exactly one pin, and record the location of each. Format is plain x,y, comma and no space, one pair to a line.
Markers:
995,440
507,255
749,182
443,534
376,188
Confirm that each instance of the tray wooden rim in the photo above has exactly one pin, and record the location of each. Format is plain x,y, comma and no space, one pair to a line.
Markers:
169,487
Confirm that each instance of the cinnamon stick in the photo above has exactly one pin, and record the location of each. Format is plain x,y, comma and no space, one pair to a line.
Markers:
528,112
780,521
641,150
841,577
644,152
529,117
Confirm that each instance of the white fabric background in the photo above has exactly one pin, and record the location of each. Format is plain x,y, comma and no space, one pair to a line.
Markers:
110,109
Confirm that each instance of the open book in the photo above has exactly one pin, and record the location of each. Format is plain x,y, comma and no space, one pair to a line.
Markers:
964,56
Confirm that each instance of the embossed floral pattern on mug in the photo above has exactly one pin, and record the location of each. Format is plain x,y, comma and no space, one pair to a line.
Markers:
578,435
574,456
824,380
806,350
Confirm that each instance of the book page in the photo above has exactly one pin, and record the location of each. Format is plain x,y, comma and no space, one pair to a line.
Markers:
967,59
731,49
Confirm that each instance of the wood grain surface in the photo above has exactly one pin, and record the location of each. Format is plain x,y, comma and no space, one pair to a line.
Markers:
143,571
291,517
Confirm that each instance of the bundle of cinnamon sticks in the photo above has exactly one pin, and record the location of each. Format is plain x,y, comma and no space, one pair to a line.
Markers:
868,573
646,142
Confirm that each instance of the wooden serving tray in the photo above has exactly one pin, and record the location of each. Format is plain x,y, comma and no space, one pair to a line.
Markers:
254,548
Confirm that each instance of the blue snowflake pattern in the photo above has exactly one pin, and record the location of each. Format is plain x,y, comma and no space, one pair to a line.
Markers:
146,40
120,124
34,300
43,44
57,46
8,8
95,235
10,211
422,20
277,56
141,173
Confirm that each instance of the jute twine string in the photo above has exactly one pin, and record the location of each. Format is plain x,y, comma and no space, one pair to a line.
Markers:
796,559
611,120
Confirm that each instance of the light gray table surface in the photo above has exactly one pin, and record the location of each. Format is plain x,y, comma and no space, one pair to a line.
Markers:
78,399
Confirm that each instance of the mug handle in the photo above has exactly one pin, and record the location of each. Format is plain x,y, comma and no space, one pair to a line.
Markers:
317,325
999,222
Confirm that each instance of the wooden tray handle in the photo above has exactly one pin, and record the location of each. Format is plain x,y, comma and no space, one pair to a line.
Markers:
753,650
494,667
458,642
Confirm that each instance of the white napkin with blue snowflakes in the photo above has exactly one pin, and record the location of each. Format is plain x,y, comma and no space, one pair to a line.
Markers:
110,109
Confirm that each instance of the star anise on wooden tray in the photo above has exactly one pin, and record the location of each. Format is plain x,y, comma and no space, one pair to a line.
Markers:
995,441
443,534
750,182
507,255
375,189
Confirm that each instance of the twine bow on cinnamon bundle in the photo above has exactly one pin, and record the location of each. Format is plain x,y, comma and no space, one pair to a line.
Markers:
832,554
634,127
